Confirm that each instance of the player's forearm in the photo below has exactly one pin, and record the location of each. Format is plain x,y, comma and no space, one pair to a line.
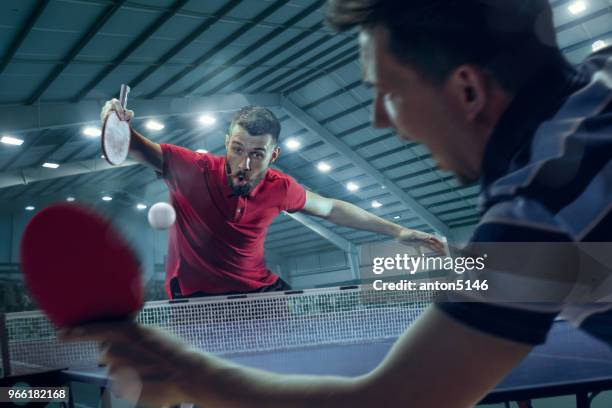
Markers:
240,387
349,215
145,151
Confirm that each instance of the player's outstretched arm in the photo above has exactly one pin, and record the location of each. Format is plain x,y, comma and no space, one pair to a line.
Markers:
145,151
142,149
436,363
346,214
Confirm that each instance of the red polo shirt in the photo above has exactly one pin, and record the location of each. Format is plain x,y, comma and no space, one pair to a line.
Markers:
216,244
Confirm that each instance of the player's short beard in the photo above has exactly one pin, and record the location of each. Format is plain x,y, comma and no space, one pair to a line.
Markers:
240,191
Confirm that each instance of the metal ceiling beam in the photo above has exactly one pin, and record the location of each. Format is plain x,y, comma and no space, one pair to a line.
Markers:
74,51
255,46
25,148
324,69
19,118
215,50
23,33
321,54
265,58
362,105
32,174
107,183
332,95
144,36
317,130
226,8
585,19
288,60
355,129
352,251
586,43
57,184
278,264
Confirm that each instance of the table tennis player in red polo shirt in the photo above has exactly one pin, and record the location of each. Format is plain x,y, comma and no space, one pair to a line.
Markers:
225,204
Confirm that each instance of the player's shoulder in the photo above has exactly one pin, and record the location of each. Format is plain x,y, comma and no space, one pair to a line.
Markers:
278,177
563,184
212,161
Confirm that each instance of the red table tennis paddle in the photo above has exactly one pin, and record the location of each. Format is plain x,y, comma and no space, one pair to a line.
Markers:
78,268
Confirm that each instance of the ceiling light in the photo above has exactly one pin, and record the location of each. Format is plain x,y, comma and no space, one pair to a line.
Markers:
577,7
598,45
292,144
30,208
323,167
154,125
141,207
11,141
207,120
201,151
50,165
376,204
92,131
350,186
70,199
107,198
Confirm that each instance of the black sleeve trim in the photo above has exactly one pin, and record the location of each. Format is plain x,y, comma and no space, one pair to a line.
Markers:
521,326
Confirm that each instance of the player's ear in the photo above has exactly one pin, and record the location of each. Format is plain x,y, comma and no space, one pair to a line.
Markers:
227,138
275,153
468,85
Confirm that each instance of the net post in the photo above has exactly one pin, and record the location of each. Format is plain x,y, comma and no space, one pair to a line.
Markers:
4,346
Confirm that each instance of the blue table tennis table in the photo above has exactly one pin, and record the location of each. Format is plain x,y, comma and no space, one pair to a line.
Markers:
570,363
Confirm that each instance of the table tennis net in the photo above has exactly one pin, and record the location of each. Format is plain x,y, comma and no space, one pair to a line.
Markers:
236,324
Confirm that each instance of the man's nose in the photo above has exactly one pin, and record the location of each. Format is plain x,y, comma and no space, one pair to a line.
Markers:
245,164
380,117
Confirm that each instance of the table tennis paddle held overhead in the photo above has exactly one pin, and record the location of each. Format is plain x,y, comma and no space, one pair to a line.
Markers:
78,268
116,133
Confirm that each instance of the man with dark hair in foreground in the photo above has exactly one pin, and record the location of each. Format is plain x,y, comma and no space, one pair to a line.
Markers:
483,85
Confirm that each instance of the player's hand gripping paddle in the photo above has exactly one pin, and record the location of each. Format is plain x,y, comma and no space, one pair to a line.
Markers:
78,268
116,133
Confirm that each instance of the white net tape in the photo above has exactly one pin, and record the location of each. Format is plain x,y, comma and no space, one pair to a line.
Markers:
238,324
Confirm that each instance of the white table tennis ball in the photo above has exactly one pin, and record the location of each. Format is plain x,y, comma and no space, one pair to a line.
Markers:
161,215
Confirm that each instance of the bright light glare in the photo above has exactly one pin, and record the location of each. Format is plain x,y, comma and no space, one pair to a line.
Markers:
323,167
91,131
350,186
598,45
207,120
154,125
11,141
577,7
292,144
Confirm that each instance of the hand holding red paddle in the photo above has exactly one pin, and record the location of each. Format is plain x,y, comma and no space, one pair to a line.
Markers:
78,268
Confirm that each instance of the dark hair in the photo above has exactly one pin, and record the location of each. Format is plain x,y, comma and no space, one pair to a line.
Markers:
510,39
257,121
